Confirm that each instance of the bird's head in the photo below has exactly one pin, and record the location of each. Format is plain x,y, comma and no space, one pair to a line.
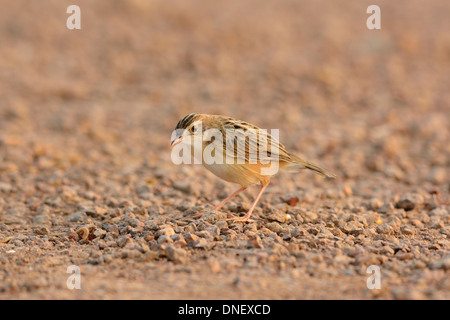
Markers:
189,128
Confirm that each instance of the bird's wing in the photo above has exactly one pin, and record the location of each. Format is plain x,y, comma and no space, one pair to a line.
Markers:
246,143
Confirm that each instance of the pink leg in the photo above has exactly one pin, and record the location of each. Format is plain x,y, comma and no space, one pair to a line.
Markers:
220,205
247,215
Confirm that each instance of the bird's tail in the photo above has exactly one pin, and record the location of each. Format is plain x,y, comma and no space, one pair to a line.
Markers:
298,162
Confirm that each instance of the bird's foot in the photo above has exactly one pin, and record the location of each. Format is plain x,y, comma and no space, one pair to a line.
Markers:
243,219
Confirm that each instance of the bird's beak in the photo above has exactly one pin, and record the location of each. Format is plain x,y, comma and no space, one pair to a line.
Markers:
176,141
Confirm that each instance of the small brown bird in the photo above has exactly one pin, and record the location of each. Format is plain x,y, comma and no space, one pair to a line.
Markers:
237,151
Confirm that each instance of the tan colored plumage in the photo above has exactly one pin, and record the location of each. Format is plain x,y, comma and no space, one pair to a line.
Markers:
251,152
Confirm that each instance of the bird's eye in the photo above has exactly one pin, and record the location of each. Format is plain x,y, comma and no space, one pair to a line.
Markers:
194,128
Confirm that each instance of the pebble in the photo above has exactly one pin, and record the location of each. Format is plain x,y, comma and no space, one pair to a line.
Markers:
374,204
439,212
255,243
384,229
298,232
166,231
183,186
190,237
409,201
437,175
203,244
99,233
41,231
165,239
274,226
407,230
436,224
443,263
5,187
149,256
176,255
277,216
41,219
78,216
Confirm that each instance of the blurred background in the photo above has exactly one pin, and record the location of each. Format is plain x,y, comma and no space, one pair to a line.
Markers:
89,113
357,100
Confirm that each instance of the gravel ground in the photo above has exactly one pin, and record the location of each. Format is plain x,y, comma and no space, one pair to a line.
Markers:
85,171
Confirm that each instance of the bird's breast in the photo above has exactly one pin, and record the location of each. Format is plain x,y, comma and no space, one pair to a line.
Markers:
233,173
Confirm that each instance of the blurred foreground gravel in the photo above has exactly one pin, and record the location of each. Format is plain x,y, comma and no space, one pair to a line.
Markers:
86,177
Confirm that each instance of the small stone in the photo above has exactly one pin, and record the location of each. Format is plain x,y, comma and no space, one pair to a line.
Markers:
166,231
214,265
190,237
417,223
443,263
434,246
213,217
5,187
135,223
41,219
274,226
436,224
43,210
41,231
125,203
100,233
387,250
203,234
183,186
203,244
298,232
290,200
342,259
313,230
222,225
71,234
149,256
405,204
384,229
122,241
310,216
213,231
407,230
255,243
409,201
95,211
77,216
439,212
374,204
386,208
280,249
437,175
176,255
176,237
130,253
347,190
276,215
165,239
371,217
352,227
155,210
113,230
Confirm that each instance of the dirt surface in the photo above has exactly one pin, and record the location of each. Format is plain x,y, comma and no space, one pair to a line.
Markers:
86,177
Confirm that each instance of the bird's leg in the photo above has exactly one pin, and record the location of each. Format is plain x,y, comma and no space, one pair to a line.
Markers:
220,205
247,215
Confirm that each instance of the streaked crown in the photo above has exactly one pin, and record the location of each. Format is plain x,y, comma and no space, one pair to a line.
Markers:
187,121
